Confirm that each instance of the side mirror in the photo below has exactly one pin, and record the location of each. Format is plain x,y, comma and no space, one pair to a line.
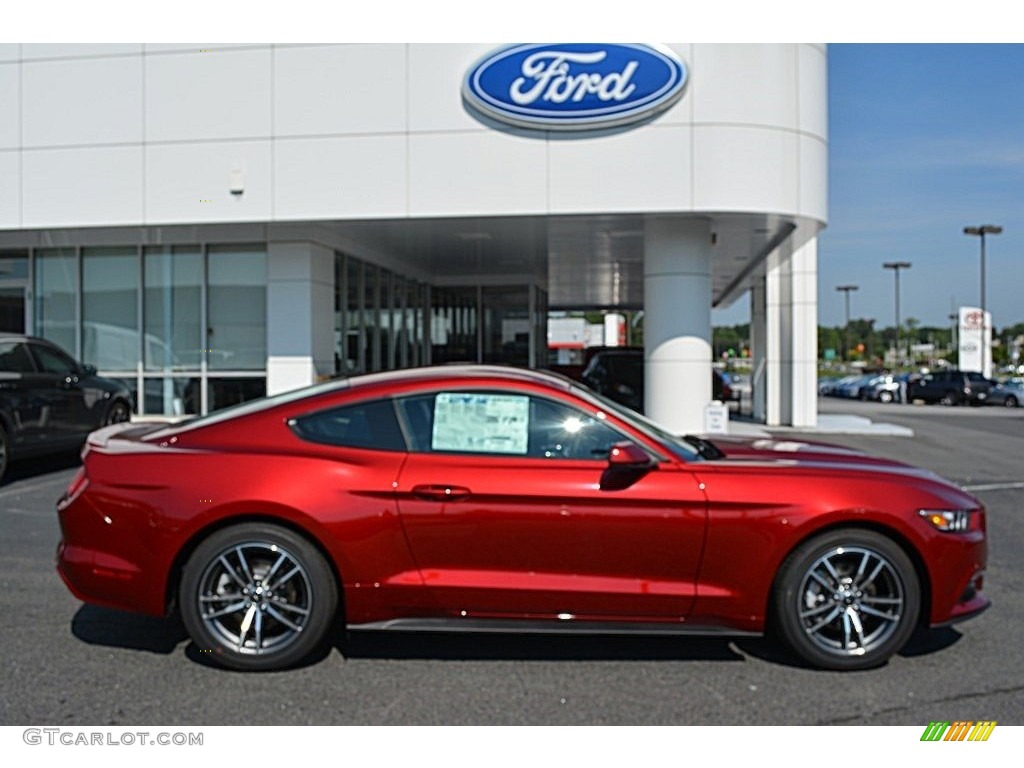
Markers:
630,455
88,370
627,463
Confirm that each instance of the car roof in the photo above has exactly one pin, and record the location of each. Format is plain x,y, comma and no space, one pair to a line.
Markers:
370,380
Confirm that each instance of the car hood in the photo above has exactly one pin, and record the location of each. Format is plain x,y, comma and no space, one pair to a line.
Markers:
795,452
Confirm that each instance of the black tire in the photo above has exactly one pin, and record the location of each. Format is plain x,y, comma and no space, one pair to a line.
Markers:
885,396
1010,401
948,399
117,413
276,630
5,451
803,600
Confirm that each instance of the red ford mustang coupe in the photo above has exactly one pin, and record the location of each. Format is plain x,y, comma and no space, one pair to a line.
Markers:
493,499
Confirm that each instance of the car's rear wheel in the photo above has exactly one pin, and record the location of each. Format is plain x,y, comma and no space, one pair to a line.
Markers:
948,399
885,396
257,596
1010,401
847,599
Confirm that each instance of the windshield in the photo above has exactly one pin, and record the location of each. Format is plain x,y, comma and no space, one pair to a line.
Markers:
677,444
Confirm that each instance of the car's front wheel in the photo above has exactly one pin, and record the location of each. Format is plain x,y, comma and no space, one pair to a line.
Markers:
885,396
117,413
1010,401
257,596
847,599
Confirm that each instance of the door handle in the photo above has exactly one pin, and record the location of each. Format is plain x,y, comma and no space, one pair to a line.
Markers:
440,492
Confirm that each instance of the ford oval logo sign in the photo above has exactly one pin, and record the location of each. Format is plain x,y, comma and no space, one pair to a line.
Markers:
575,86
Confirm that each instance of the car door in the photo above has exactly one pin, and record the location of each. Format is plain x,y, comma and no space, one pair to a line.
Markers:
56,387
505,502
21,412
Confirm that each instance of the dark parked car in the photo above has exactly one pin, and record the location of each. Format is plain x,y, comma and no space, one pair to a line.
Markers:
49,402
618,374
952,387
489,499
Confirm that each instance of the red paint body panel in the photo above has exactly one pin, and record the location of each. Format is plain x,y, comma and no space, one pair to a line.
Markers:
697,542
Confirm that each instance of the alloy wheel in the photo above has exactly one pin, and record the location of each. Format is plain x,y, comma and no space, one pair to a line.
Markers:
850,601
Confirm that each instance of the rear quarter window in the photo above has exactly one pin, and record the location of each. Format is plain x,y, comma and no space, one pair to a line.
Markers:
371,425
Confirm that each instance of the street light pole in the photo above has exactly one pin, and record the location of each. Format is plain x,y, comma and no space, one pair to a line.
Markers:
980,232
896,266
846,329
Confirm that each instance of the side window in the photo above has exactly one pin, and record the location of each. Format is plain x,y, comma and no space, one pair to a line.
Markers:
14,358
363,425
52,361
975,376
504,424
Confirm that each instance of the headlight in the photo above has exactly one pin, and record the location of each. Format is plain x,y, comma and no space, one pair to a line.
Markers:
949,520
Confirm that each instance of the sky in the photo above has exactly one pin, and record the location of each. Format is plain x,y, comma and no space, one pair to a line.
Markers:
923,140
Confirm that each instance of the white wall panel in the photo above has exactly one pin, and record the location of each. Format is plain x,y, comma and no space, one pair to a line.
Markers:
813,90
435,86
10,51
340,177
682,111
190,182
10,190
215,95
470,173
63,50
813,178
744,169
196,47
82,101
336,89
632,171
74,187
10,112
751,84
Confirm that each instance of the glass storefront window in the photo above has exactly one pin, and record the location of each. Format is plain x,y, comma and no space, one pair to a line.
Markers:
506,320
354,331
237,308
13,265
110,296
371,297
453,325
173,280
221,393
172,396
56,289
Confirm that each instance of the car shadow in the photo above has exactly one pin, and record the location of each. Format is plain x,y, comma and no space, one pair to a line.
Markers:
25,469
923,642
119,629
460,646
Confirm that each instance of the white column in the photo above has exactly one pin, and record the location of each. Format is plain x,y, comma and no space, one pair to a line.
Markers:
300,314
778,336
804,344
758,343
677,322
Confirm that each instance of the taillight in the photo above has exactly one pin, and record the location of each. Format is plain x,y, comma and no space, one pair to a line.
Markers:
78,484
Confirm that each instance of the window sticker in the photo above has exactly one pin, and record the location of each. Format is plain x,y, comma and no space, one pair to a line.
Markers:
480,423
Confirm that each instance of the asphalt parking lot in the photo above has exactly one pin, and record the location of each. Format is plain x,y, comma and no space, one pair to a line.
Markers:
67,664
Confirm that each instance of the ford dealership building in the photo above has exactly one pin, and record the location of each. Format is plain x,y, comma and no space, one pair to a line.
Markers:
212,223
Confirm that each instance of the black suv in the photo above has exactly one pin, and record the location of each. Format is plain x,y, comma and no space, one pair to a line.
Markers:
618,374
50,403
952,387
